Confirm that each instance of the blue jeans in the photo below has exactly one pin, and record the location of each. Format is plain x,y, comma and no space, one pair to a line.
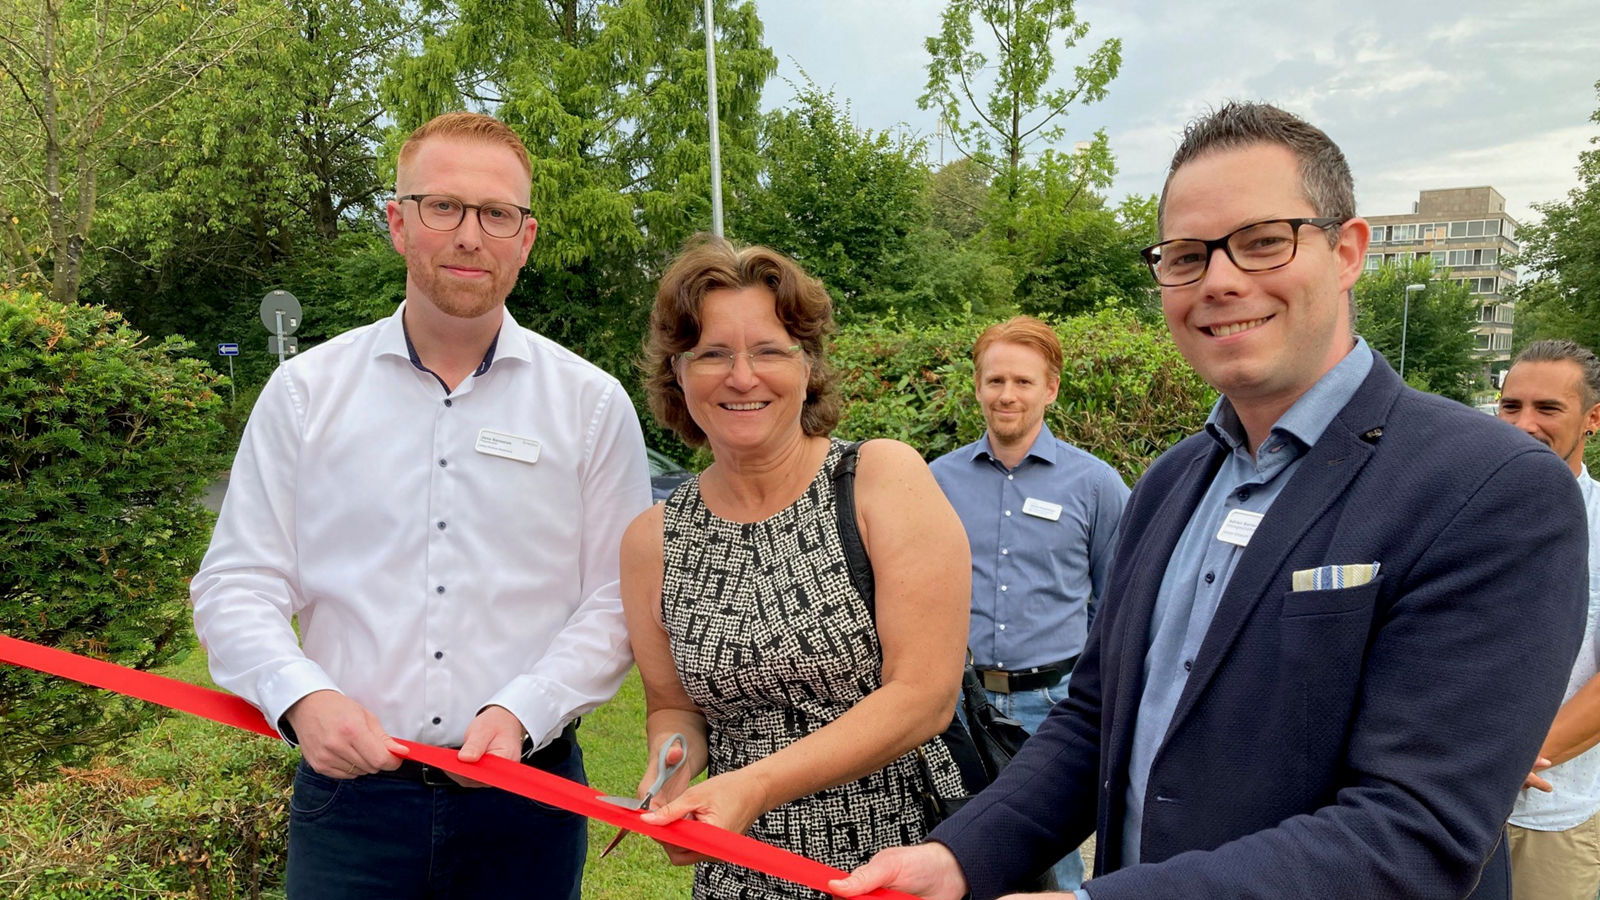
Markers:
378,836
1030,708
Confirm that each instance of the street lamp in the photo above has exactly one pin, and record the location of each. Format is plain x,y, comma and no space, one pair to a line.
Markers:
1405,320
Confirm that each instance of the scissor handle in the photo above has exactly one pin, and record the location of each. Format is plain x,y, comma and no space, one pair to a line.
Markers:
664,771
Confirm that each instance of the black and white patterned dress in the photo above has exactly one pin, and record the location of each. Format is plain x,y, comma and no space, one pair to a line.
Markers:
773,642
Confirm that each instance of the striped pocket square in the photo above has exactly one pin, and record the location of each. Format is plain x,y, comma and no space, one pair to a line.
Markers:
1324,578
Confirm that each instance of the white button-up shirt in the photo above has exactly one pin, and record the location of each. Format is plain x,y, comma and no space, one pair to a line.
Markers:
1577,781
429,578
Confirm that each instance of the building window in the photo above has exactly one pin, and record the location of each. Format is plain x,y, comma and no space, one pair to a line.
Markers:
1482,341
1458,229
1491,227
1437,258
1378,232
1486,314
1488,257
1374,261
1502,340
1505,314
1433,232
1459,258
1509,231
1400,234
1475,228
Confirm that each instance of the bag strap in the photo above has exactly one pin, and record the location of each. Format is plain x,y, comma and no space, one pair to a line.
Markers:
855,551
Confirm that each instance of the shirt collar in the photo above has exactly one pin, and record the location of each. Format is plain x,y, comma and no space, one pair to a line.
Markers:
395,340
1043,447
1310,415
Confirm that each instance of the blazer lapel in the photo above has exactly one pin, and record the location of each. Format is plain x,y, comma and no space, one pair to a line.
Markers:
1147,569
1317,485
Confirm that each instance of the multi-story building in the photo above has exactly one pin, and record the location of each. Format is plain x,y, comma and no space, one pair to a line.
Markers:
1467,232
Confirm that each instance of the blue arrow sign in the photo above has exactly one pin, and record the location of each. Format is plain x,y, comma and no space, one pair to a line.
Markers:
228,349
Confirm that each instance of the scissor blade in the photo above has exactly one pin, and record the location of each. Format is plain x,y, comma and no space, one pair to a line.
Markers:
621,833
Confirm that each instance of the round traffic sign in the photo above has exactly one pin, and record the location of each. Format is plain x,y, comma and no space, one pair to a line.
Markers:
280,301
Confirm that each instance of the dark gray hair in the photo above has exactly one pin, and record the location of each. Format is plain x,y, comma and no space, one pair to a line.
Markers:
1568,351
1324,174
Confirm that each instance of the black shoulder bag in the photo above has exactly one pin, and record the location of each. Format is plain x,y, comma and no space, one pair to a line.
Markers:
993,738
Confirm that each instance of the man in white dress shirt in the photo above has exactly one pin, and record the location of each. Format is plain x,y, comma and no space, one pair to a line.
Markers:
438,499
1553,393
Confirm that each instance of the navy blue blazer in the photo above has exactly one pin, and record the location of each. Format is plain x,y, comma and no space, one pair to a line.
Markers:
1364,742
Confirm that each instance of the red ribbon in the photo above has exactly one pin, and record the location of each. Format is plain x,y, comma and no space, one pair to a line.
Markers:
501,773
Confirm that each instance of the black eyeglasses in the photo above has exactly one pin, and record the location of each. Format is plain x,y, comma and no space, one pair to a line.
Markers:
442,212
1257,247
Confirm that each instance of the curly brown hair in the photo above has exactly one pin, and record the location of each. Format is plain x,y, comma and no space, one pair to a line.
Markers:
707,264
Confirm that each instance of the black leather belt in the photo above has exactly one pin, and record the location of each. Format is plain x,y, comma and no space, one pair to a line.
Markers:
1002,681
547,757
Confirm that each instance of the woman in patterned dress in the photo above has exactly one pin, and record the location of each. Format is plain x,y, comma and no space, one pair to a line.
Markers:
807,700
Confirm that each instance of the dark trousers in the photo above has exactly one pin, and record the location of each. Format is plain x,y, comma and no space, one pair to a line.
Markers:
390,838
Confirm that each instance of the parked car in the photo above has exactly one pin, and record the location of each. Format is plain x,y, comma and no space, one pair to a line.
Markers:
666,473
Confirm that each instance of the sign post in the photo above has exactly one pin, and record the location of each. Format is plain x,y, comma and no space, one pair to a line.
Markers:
280,313
230,351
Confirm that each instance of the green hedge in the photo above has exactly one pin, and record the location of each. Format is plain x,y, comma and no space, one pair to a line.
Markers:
187,808
106,441
1126,393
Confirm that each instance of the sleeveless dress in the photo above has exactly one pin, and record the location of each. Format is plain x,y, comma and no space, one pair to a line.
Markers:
772,641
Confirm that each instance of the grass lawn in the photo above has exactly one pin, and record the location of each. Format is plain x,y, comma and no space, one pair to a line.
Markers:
614,754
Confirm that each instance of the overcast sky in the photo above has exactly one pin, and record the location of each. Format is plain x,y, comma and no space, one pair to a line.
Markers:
1419,95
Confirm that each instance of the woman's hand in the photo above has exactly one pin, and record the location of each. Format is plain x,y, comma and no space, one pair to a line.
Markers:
732,801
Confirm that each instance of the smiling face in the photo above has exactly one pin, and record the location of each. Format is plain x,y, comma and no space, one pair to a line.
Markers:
1545,399
1015,386
743,408
1263,339
463,273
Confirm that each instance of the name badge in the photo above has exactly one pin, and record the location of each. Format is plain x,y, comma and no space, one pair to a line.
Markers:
1042,509
1239,526
508,446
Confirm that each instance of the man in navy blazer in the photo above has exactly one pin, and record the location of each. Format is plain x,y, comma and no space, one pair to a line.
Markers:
1339,620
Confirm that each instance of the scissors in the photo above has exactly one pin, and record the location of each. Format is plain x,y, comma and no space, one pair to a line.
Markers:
663,772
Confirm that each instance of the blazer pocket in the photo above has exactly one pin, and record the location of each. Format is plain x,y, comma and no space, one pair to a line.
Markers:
1330,602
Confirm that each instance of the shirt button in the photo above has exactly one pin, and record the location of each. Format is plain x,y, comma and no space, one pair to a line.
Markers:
1004,552
1244,493
1003,588
437,720
1210,577
443,463
1002,626
1011,478
438,654
439,589
1008,512
441,524
448,402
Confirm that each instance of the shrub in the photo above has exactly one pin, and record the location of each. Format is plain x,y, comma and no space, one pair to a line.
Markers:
187,808
1126,393
106,440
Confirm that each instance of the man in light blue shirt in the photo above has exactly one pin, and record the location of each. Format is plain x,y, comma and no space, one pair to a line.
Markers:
1553,393
1041,516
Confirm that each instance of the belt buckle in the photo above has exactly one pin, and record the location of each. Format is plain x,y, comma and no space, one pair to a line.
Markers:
997,681
435,777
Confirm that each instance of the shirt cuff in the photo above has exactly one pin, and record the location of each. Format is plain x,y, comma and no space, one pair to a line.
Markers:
1082,893
539,713
285,688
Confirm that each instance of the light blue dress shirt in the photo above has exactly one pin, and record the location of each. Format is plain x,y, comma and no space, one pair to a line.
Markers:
1201,565
1042,535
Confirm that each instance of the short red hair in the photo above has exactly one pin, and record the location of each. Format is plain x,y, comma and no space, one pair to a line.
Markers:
467,126
1024,330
